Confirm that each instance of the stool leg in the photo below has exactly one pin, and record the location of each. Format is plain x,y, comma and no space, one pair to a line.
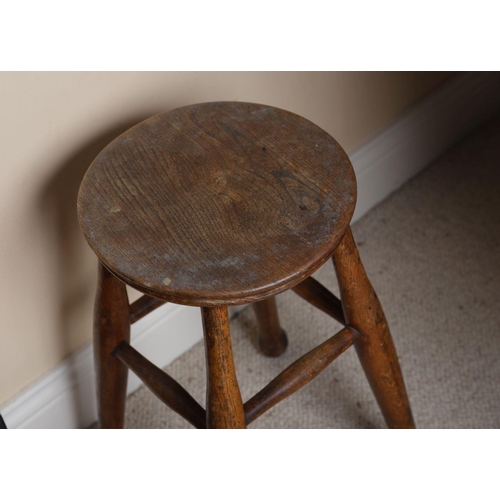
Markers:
272,339
111,327
375,347
224,404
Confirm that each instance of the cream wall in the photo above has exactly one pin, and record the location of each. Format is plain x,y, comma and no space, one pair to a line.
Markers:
53,124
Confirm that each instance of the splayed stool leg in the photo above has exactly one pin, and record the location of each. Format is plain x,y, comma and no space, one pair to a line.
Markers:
375,347
224,404
111,327
272,338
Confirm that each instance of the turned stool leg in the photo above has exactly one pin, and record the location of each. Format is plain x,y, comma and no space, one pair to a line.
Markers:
375,347
111,327
224,404
272,339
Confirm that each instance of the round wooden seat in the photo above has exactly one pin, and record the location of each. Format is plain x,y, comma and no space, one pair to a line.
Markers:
218,203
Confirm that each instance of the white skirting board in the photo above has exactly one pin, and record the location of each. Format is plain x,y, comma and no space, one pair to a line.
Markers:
422,134
64,398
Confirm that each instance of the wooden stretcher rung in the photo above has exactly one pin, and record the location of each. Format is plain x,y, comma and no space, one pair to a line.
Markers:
162,385
143,306
319,296
299,373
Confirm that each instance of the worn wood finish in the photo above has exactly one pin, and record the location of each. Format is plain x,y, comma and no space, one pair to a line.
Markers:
319,296
143,306
111,327
375,346
299,373
217,203
272,338
162,385
224,404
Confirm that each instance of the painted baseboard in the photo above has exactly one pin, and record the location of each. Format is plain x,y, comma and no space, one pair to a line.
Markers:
64,398
422,134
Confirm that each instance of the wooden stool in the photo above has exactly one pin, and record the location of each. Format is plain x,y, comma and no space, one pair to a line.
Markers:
220,204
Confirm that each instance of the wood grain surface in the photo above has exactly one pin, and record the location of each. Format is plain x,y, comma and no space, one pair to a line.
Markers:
272,338
375,347
217,203
319,296
111,328
224,403
162,385
143,306
299,373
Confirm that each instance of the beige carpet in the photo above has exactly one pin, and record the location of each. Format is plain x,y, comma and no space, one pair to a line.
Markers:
432,251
